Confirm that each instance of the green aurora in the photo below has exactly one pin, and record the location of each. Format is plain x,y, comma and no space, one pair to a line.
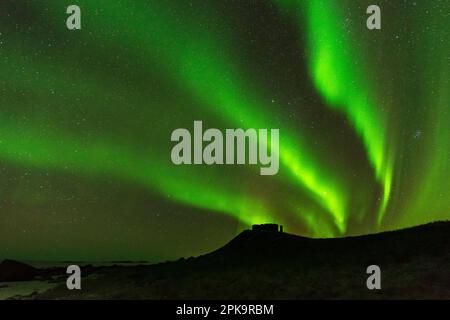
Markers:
86,118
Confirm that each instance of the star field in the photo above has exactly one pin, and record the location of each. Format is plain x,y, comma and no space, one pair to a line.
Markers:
86,118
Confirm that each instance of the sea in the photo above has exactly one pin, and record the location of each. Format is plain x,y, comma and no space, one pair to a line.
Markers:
11,290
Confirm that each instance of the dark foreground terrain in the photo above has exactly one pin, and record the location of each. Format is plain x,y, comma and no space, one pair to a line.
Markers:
415,263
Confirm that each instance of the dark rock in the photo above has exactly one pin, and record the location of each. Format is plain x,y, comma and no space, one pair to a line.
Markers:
11,270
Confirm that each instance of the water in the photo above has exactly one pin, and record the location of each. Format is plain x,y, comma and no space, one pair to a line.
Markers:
21,288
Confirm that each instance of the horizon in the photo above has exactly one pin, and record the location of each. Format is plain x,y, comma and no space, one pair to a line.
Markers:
174,259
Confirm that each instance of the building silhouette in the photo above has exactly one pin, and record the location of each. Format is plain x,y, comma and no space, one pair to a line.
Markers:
270,227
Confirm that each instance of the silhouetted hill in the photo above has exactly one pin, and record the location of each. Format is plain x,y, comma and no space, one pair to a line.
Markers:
11,270
395,246
415,263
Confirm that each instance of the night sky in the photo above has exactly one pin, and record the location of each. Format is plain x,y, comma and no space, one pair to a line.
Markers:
86,118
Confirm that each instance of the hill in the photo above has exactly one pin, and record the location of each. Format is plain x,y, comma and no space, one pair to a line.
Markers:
414,262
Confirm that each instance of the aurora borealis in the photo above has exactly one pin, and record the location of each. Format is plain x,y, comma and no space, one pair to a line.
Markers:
86,118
